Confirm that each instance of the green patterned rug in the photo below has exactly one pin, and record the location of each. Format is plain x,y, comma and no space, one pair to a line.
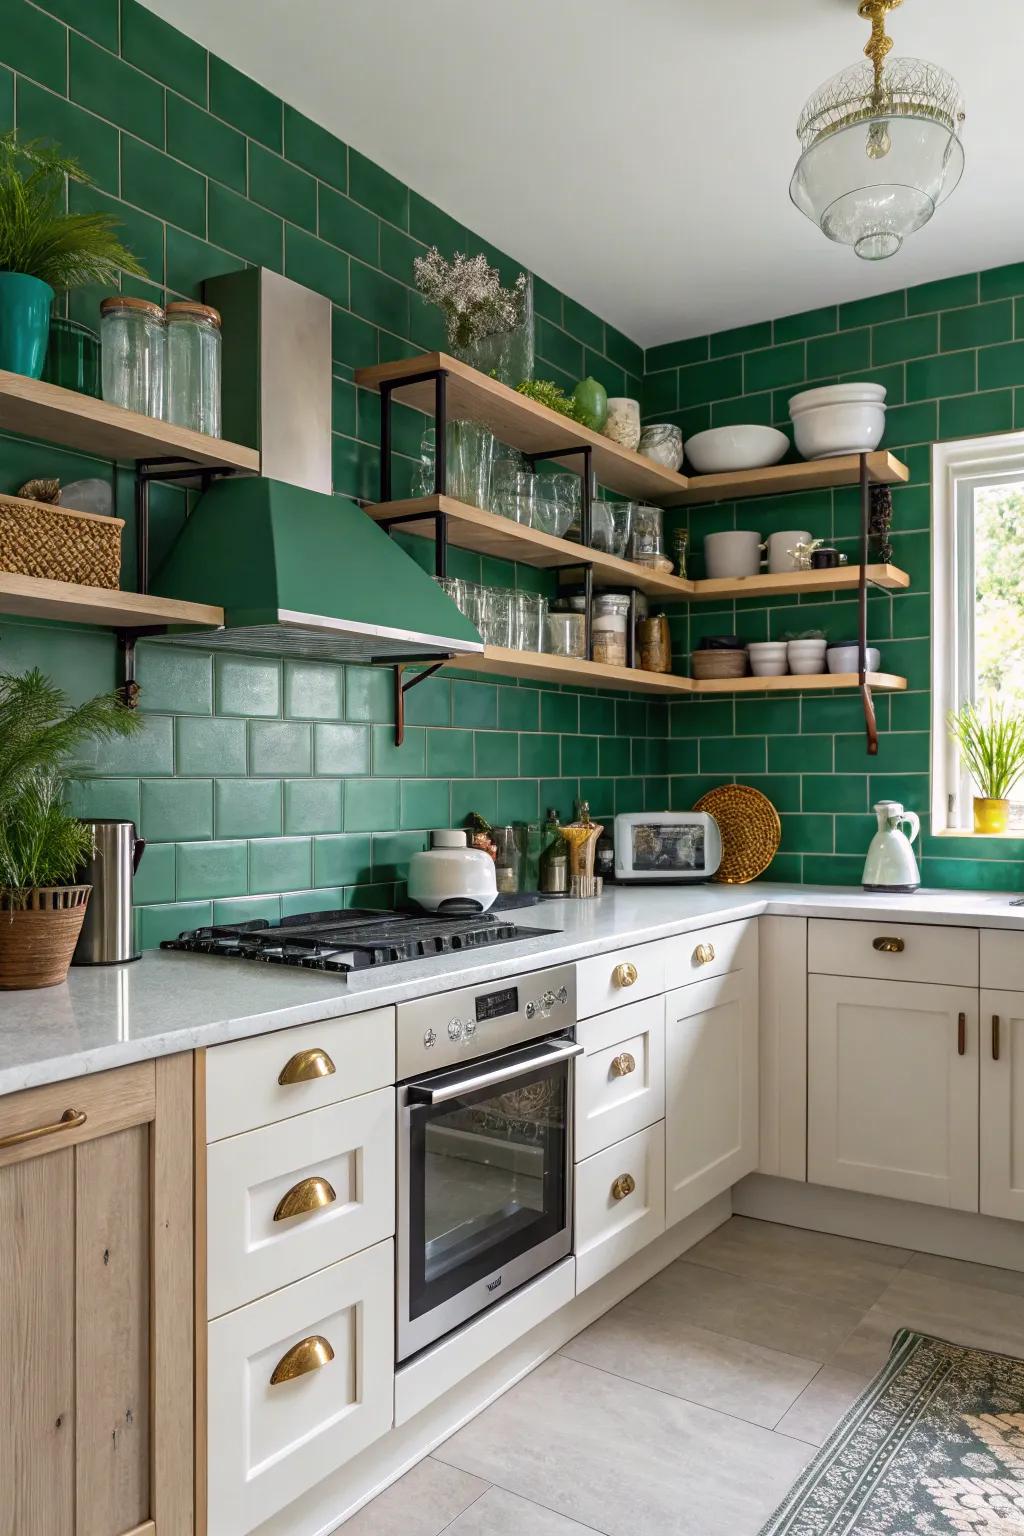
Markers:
934,1447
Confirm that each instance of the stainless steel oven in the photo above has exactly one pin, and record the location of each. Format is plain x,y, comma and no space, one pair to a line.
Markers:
484,1147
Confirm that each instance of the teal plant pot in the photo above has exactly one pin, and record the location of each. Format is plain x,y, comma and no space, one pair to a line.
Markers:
25,305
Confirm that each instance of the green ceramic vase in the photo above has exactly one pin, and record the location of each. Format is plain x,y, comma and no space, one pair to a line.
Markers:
25,305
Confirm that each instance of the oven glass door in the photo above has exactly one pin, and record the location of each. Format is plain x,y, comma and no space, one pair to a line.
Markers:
488,1178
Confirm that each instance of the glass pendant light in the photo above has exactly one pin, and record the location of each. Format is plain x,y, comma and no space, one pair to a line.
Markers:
880,146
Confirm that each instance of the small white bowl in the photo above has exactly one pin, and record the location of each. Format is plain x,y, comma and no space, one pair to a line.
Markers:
846,658
838,419
837,394
722,450
768,658
806,656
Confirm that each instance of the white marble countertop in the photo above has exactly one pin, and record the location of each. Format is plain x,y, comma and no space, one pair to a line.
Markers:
170,1001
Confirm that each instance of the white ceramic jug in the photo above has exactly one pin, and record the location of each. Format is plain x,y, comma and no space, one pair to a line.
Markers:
890,864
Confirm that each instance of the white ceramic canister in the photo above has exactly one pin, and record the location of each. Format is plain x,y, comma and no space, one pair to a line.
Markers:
732,555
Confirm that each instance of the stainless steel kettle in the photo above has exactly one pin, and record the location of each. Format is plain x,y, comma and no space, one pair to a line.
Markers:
107,936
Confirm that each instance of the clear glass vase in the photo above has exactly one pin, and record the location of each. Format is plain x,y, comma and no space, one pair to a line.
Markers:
507,355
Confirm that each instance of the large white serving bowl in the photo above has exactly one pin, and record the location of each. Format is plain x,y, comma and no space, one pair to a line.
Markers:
723,450
838,419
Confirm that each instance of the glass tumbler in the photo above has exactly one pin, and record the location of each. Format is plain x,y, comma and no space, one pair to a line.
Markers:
496,616
515,494
73,357
554,512
471,448
530,614
647,535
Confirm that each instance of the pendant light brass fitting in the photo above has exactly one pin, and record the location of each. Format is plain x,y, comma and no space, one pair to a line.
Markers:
879,44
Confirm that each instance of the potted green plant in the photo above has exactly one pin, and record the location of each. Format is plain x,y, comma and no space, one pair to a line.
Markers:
42,846
44,249
992,749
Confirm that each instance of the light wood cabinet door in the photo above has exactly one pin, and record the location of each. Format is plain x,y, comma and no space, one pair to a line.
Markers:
711,1089
893,1089
96,1346
1002,1104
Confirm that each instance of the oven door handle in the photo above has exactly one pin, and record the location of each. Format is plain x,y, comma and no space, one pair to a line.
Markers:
470,1082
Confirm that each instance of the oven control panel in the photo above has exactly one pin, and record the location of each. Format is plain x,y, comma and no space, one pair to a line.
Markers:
453,1027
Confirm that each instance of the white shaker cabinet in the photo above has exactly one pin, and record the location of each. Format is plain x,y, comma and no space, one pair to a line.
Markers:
1002,1104
893,1089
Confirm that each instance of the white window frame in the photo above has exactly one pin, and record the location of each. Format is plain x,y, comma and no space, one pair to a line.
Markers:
957,469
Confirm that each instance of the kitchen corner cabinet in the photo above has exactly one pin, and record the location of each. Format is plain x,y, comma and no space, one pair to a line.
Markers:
96,1280
1002,1104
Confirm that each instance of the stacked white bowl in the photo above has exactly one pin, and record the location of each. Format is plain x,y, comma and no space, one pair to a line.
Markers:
838,419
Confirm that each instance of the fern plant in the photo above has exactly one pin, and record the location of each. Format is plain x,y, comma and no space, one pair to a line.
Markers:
40,842
38,237
992,748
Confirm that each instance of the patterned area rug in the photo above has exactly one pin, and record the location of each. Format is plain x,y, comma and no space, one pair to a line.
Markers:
934,1447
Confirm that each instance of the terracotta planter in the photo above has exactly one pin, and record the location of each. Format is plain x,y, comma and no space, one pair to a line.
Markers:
991,816
38,938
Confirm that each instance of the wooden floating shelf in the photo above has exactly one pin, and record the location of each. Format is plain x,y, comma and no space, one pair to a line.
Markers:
806,475
37,409
485,533
32,597
531,666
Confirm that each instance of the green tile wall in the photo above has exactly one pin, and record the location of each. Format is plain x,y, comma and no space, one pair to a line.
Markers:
951,355
265,786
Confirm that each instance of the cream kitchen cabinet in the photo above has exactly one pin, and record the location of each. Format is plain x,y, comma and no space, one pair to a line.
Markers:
1002,1104
893,1089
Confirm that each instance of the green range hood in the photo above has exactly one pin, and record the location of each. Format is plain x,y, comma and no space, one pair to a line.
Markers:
300,573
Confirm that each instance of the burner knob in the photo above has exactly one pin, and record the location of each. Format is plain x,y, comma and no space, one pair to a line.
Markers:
429,1039
563,995
531,1010
455,1029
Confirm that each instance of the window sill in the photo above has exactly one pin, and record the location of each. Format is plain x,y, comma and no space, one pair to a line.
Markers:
1013,836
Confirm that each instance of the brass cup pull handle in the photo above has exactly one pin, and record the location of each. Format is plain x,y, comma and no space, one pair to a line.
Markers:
624,1185
307,1355
995,1037
305,1066
961,1034
308,1195
704,954
70,1120
889,946
623,1065
625,975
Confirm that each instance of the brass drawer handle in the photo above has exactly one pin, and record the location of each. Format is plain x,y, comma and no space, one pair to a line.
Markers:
623,1065
70,1120
704,954
889,946
625,975
307,1355
308,1195
624,1185
961,1034
995,1037
304,1066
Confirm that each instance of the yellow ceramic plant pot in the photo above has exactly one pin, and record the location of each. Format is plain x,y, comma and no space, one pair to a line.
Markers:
991,816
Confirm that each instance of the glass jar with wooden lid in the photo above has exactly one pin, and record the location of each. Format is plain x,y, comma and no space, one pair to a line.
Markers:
133,335
193,367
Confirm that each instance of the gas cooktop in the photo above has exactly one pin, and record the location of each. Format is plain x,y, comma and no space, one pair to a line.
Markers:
350,939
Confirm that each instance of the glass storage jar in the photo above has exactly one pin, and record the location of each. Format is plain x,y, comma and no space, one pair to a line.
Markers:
655,644
193,367
609,639
567,634
647,535
133,336
73,357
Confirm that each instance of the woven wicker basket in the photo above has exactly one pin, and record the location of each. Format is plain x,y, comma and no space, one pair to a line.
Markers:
39,539
38,939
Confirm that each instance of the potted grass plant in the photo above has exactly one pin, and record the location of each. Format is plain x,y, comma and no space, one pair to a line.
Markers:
992,749
44,249
42,846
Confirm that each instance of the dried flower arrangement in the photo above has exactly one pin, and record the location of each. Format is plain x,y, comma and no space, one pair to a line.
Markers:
469,293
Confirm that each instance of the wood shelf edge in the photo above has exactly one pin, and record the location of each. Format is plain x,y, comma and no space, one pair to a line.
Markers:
33,597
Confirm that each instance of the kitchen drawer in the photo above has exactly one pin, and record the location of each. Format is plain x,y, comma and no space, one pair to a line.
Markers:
620,1203
708,952
885,951
271,1441
620,1082
621,976
1002,959
327,1062
344,1154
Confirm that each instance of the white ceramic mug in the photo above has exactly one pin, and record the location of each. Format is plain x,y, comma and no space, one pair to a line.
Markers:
730,556
779,546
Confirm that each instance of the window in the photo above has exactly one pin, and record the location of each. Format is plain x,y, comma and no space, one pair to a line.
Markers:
977,605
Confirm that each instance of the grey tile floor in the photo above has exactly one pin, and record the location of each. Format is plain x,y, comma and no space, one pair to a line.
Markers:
691,1407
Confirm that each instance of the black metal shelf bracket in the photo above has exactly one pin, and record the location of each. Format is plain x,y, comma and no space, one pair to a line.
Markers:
870,720
429,665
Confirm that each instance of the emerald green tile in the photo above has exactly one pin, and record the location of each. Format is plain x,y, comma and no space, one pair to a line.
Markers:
105,799
398,251
208,747
835,792
958,874
629,796
547,301
980,326
477,796
901,339
315,265
661,392
42,115
435,227
205,143
244,103
707,717
519,709
425,803
158,183
450,754
344,223
369,693
853,830
738,754
7,99
278,747
312,805
845,352
583,324
832,869
717,380
597,716
240,226
1002,282
343,407
557,347
972,415
782,789
313,690
377,189
282,187
911,789
911,615
96,18
898,751
175,680
831,713
1001,366
154,878
620,349
143,235
308,144
392,851
947,293
807,834
677,354
356,469
610,375
497,754
114,90
371,805
280,864
518,800
341,860
630,717
774,366
809,322
161,50
910,711
614,757
174,810
246,909
247,686
408,761
686,790
559,712
873,311
34,44
539,755
190,262
892,378
429,703
208,869
475,704
154,924
330,898
951,373
742,338
380,299
341,749
683,755
150,750
247,807
766,717
579,755
911,424
813,754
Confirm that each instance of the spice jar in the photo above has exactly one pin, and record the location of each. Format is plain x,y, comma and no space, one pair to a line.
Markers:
133,334
506,860
193,367
655,644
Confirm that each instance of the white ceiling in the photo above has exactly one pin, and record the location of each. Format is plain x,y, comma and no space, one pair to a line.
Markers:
637,153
